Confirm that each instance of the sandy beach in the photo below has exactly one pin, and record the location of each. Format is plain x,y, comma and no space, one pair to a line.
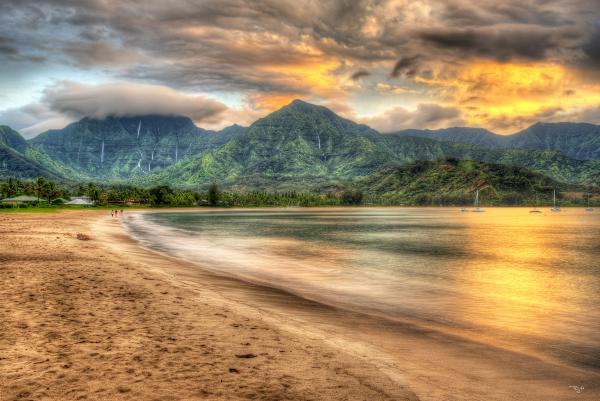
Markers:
104,319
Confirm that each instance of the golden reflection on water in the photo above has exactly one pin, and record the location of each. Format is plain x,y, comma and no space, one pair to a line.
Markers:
513,287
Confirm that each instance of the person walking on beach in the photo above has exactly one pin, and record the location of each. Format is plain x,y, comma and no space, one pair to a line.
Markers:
112,213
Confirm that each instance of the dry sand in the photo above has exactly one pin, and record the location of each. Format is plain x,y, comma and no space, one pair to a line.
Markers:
104,319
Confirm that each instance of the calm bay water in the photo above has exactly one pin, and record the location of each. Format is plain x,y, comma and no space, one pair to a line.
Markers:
523,281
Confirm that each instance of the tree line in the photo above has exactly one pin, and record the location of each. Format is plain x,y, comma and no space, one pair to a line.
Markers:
49,192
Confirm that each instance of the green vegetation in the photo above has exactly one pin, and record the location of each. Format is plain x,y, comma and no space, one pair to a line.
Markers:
120,148
213,194
352,197
46,191
159,196
574,140
14,161
454,182
445,182
303,146
300,149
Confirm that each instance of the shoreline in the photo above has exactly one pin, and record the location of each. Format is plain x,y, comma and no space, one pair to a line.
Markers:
380,359
106,319
376,317
506,373
183,209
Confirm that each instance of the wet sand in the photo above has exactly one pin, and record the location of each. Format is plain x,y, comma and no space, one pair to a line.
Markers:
108,319
103,319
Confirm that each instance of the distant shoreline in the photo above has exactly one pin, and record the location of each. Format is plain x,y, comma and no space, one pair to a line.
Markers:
93,209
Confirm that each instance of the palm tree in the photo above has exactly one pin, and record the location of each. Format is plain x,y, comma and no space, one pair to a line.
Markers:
213,194
40,183
93,192
50,191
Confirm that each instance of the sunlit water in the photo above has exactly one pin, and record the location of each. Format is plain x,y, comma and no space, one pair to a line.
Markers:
524,281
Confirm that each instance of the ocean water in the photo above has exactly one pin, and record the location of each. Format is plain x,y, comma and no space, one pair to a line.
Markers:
523,281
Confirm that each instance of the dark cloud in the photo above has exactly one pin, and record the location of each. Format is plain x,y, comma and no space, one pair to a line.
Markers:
226,44
359,75
592,47
265,47
490,12
498,42
406,67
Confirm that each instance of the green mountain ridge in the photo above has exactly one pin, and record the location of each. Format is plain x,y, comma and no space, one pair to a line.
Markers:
118,148
299,147
453,181
575,140
19,160
302,144
299,140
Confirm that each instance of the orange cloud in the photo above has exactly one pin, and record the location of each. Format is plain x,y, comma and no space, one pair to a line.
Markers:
505,96
315,75
268,103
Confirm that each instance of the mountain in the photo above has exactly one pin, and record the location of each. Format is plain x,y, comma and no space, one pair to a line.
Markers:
453,181
575,140
473,136
299,141
117,148
12,139
299,147
305,146
550,163
15,160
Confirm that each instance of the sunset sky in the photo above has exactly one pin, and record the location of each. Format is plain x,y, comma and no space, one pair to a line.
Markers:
501,65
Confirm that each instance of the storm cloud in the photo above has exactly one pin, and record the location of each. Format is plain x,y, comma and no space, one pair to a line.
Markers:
259,55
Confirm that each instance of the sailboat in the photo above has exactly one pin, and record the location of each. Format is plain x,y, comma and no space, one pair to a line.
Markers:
588,208
477,208
554,208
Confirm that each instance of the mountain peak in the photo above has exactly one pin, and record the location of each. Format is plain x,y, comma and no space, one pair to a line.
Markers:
300,102
12,139
301,105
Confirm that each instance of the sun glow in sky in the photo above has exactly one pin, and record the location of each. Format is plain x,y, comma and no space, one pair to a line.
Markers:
499,93
392,64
